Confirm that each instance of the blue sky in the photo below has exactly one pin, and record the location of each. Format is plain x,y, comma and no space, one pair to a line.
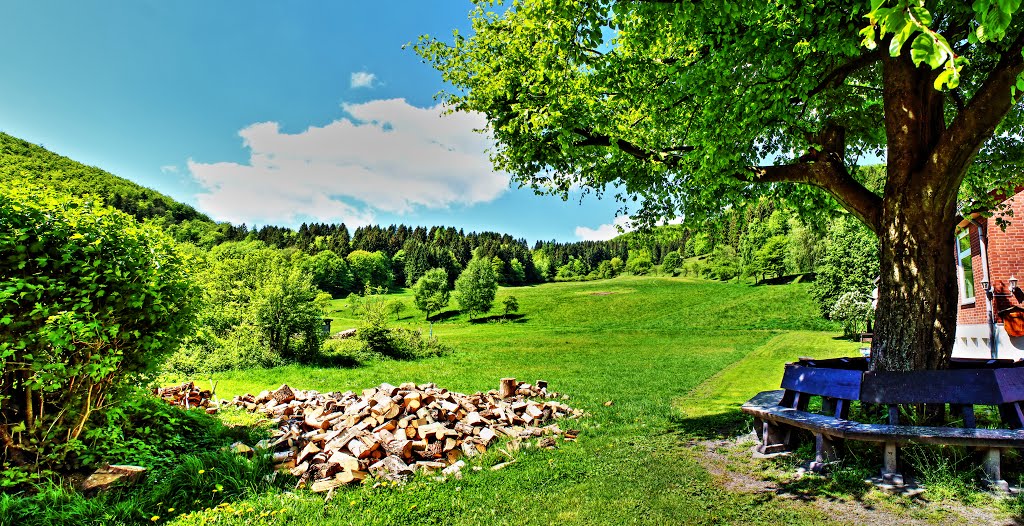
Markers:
268,112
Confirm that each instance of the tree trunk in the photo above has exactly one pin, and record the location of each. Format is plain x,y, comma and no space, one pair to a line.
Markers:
915,320
917,292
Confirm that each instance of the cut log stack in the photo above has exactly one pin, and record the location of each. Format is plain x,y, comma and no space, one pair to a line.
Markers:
332,439
188,396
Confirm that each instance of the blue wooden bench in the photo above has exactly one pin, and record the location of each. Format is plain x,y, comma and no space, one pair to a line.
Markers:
777,414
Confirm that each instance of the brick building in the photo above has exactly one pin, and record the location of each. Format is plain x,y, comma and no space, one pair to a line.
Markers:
989,261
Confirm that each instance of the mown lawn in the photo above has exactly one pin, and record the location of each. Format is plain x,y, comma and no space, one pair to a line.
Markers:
647,345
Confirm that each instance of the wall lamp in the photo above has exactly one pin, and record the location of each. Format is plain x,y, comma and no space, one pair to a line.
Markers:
1013,284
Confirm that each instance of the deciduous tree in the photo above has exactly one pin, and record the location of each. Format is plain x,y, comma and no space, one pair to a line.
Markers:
677,104
476,287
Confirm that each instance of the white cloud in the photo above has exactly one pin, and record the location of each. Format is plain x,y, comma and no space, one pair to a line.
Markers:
605,231
386,155
169,169
362,79
609,231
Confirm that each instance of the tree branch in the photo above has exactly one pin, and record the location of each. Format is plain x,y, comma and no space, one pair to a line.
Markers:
976,123
830,175
669,156
838,75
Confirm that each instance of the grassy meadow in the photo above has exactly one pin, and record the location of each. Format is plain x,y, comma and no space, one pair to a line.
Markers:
674,357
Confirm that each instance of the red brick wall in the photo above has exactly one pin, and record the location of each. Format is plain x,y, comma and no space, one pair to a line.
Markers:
1005,258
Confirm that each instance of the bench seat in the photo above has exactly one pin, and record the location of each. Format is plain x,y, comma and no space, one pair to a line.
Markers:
775,420
765,407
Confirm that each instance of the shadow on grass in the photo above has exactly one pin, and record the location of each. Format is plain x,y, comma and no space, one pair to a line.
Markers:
711,427
444,316
339,361
511,318
845,479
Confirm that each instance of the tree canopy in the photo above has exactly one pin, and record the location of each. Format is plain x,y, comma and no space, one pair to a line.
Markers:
679,104
679,107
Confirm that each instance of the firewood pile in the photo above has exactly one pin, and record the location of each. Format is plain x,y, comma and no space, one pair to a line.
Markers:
332,439
188,396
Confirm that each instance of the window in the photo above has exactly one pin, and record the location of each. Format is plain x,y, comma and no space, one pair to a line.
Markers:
963,246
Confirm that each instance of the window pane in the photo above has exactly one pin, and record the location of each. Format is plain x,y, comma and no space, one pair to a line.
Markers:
968,277
964,242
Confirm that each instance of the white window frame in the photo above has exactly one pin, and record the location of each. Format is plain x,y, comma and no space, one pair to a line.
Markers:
960,255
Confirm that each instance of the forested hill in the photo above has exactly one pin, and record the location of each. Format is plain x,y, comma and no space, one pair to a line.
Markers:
22,160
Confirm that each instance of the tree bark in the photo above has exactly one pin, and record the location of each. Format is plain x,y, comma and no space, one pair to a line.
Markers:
915,319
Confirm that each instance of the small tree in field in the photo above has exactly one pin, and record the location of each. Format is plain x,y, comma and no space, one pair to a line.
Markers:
671,263
396,307
476,287
511,304
430,293
771,258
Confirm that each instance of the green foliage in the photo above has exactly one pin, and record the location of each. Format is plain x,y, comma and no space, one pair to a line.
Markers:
369,269
698,244
803,247
476,287
510,304
329,272
771,258
286,305
639,263
723,264
259,308
22,162
617,266
401,343
90,302
849,262
671,263
516,273
396,307
431,293
374,329
573,270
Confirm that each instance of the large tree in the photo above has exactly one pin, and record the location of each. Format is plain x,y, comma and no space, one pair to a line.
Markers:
683,106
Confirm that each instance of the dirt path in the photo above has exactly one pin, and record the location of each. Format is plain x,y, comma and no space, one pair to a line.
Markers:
730,462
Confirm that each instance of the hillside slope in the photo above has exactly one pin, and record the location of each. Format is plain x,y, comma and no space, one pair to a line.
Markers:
21,160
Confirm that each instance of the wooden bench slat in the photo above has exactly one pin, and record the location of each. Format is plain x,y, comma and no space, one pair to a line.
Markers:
762,407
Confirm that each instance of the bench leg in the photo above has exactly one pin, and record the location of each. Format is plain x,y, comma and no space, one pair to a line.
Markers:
774,438
991,466
890,471
825,452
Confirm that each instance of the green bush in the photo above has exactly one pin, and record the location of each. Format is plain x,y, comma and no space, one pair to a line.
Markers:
90,302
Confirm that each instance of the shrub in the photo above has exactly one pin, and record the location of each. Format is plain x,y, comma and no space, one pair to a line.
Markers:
853,310
90,302
849,261
724,263
369,269
671,263
770,259
639,264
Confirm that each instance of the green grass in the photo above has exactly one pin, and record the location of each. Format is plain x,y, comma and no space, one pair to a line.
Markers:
642,343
